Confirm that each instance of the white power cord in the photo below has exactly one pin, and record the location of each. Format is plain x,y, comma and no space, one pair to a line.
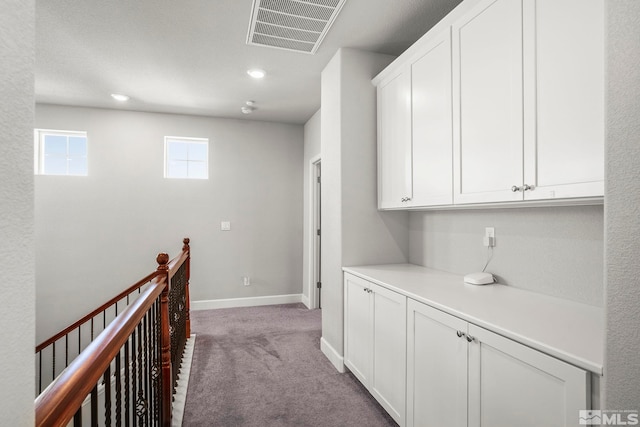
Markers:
489,257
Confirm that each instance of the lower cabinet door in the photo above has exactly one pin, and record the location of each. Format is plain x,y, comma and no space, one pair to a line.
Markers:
388,380
358,331
436,368
514,385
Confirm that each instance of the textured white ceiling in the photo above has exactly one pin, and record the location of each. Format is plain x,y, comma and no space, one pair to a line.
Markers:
190,56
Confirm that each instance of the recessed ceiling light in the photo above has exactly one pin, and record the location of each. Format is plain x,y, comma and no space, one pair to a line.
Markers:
119,97
256,73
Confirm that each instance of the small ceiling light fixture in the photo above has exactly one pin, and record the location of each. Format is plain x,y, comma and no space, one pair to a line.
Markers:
256,73
119,97
249,108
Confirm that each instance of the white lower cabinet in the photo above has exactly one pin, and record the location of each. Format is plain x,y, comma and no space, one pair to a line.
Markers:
459,374
375,342
436,368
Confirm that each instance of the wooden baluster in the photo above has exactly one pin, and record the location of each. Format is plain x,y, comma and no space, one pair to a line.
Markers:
165,340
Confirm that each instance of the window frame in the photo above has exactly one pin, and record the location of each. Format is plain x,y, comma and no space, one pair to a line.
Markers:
39,152
187,140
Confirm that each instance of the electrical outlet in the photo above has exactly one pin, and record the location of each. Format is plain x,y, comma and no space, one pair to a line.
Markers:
489,237
246,280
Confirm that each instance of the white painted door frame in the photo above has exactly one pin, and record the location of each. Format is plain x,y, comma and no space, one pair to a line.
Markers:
314,225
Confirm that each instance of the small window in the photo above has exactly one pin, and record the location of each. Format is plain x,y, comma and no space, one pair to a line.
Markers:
186,157
60,152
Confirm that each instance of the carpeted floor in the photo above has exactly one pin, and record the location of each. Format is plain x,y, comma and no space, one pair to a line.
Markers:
262,366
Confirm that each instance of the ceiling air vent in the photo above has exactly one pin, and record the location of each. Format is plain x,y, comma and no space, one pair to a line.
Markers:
298,25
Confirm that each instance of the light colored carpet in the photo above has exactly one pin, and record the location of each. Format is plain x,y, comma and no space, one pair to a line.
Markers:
262,366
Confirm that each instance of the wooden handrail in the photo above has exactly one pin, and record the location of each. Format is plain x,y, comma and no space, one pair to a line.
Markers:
57,405
97,311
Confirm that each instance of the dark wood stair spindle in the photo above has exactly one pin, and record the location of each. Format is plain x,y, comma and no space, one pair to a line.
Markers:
165,375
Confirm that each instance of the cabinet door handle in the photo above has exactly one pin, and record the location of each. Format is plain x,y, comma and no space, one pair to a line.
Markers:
470,338
460,334
528,187
515,188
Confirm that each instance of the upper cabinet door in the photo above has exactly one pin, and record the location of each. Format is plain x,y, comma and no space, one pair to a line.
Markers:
394,142
432,125
564,98
487,103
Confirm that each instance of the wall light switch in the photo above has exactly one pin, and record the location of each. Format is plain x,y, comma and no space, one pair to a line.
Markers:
225,226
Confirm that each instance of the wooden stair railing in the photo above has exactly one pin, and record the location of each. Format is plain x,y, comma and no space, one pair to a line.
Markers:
132,366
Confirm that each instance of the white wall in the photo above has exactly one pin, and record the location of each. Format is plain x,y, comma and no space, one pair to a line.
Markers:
311,152
97,234
17,278
621,385
354,231
555,251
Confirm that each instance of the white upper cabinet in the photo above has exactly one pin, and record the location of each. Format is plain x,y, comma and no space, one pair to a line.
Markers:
564,98
487,102
432,124
502,101
394,142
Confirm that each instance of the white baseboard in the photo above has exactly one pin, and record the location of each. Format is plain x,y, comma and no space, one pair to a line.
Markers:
305,301
245,302
334,357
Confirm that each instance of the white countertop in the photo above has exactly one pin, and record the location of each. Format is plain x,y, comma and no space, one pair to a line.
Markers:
570,331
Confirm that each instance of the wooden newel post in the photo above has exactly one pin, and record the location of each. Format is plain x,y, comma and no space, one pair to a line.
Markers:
187,249
165,341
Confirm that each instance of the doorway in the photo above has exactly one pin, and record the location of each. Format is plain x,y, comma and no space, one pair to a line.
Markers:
315,254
